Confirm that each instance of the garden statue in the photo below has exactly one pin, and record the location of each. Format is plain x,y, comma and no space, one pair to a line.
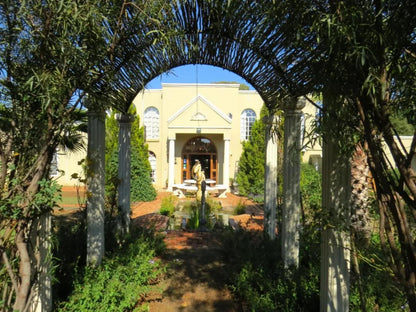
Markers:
199,176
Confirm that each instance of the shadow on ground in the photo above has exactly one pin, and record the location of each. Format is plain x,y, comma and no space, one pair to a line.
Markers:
196,277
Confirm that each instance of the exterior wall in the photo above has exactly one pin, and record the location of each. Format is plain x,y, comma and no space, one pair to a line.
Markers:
68,165
221,106
311,148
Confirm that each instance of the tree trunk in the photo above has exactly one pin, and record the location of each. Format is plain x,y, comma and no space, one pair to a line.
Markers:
24,270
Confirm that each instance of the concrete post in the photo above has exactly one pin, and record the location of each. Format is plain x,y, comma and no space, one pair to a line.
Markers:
41,262
291,182
171,172
270,176
335,238
95,187
124,168
226,169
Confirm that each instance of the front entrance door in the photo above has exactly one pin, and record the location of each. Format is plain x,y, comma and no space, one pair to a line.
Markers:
201,149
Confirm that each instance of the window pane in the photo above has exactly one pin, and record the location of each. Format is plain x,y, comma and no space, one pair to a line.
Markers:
247,119
151,123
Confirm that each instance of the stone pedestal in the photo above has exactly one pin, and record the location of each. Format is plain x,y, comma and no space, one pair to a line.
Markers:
95,187
291,182
270,178
124,168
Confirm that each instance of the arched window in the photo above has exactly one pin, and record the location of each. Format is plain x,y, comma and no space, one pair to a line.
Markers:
248,116
151,123
152,161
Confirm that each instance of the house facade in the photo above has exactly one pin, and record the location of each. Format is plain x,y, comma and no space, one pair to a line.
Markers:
188,122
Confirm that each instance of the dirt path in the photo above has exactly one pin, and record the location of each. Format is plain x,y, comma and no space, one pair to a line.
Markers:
194,280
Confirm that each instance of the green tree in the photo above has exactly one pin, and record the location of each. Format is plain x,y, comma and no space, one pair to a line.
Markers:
250,176
364,58
141,183
52,55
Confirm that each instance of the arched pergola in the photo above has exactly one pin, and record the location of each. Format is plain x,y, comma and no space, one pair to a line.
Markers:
252,39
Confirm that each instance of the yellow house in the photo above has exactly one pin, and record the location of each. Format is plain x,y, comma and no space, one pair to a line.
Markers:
207,122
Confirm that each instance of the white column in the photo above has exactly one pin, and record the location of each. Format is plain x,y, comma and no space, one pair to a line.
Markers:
226,169
335,237
291,182
41,263
270,177
95,187
124,168
171,172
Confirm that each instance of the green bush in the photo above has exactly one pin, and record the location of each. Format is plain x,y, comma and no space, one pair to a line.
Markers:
258,276
239,209
120,282
250,176
167,207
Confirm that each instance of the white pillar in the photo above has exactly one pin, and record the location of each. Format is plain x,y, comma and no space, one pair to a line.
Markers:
335,238
291,182
171,172
226,169
95,187
270,176
124,168
41,263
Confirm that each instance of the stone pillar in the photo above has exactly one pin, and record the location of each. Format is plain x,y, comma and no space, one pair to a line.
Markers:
270,176
291,182
171,172
335,238
124,168
95,187
226,169
41,263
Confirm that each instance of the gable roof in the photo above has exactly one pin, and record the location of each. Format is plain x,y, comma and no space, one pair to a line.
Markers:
199,115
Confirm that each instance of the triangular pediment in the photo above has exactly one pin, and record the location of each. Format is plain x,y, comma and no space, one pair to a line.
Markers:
199,109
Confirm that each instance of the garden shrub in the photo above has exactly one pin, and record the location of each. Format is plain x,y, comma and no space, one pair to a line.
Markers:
259,279
239,209
167,207
122,279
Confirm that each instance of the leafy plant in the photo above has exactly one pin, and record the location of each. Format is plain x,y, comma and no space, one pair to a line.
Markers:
124,277
239,209
168,205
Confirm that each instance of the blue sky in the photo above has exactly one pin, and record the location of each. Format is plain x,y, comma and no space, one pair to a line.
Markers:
194,73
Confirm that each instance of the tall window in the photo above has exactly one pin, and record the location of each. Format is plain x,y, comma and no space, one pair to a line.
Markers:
248,116
152,161
151,123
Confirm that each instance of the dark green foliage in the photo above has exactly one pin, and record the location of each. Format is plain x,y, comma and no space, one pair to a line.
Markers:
69,251
250,177
141,184
239,209
141,181
401,125
311,193
259,279
380,290
120,282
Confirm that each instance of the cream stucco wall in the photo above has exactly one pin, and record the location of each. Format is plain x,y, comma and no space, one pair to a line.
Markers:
68,164
207,110
218,106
